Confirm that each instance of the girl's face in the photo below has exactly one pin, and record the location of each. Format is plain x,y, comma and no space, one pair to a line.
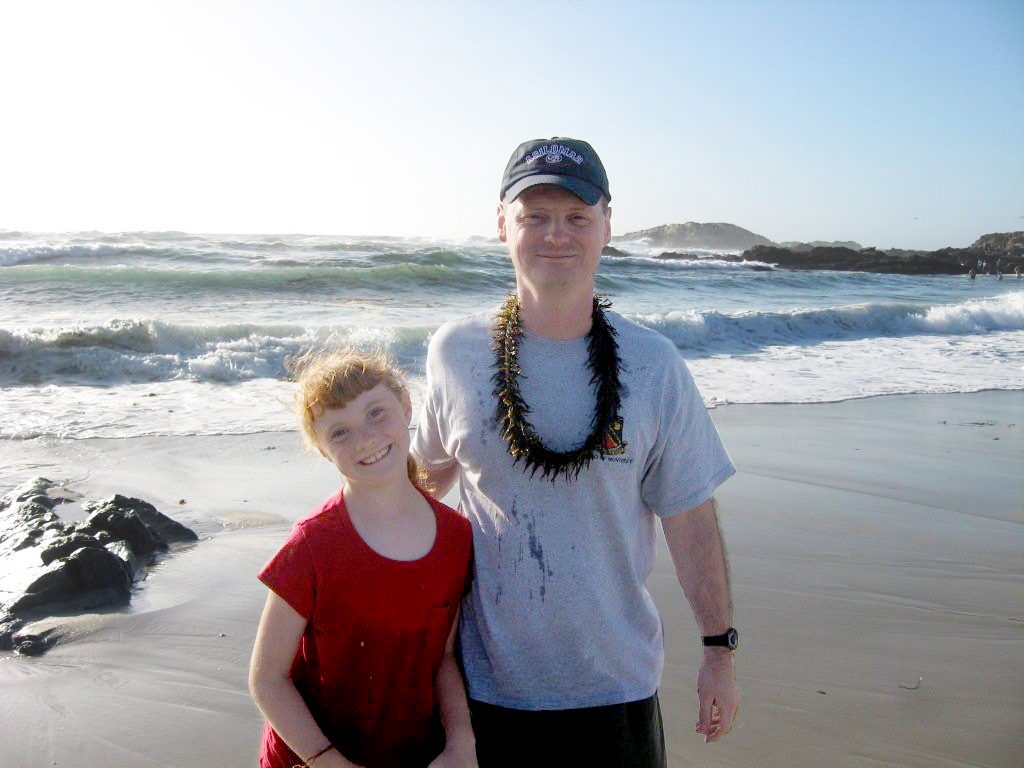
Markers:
368,439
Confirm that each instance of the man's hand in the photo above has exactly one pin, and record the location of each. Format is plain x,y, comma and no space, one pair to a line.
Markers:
718,695
695,544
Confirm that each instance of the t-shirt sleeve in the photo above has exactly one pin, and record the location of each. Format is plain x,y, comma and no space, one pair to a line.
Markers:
291,573
688,460
428,443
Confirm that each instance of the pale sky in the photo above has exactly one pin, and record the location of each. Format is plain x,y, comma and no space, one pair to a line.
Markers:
890,123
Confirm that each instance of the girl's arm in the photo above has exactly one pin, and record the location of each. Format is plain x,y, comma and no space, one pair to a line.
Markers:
460,745
277,641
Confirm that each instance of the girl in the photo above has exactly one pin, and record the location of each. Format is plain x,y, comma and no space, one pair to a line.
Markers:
354,661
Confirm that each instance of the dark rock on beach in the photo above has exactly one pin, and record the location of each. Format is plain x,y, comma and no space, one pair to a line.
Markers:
34,644
164,529
81,566
128,526
8,627
87,578
64,546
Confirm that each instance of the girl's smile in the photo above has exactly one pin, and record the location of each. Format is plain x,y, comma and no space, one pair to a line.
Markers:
376,457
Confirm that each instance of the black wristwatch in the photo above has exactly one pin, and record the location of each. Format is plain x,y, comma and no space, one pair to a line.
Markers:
729,639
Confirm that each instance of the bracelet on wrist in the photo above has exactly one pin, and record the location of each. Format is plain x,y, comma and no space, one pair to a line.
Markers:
321,753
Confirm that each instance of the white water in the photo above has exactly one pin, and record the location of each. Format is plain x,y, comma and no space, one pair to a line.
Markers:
167,333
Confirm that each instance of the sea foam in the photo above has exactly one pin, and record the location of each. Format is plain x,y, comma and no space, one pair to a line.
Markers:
124,351
153,350
713,332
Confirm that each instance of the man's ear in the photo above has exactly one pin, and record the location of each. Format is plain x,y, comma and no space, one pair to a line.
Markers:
502,213
607,225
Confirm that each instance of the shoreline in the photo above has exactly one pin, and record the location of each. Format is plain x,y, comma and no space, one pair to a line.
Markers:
713,407
873,541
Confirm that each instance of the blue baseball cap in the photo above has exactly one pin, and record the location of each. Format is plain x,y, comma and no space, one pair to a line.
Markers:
568,163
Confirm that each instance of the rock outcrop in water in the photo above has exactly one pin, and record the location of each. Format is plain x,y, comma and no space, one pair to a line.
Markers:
1001,251
849,260
714,236
1006,245
73,566
946,261
796,245
611,251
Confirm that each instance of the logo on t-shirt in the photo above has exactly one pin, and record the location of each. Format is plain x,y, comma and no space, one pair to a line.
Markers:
614,445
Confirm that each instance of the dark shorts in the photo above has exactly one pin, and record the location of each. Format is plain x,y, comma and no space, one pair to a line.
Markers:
617,736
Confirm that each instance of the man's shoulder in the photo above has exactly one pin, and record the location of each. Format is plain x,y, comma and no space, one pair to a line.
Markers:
637,340
455,334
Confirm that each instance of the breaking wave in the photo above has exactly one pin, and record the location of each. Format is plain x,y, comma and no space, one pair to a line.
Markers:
722,333
124,351
152,350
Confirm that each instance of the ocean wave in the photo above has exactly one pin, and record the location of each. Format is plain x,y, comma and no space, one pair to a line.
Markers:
432,258
312,250
646,248
282,276
152,350
730,333
72,252
132,351
657,265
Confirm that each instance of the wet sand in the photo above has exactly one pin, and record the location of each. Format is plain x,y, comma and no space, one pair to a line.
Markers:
873,542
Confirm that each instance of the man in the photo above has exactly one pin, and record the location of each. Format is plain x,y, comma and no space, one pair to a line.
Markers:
572,429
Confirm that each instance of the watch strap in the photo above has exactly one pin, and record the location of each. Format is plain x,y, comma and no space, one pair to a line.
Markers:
728,639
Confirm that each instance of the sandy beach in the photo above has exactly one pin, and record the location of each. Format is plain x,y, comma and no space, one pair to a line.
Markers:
874,543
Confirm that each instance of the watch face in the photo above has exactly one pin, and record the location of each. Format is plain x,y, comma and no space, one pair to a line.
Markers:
732,639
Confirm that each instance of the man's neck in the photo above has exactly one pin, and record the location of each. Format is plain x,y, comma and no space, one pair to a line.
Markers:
562,315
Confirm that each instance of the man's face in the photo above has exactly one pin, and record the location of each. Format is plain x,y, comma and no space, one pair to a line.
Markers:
553,237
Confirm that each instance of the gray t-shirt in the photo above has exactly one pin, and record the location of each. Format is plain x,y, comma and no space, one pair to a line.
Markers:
558,616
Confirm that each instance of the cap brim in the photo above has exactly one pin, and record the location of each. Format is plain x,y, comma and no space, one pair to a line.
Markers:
584,190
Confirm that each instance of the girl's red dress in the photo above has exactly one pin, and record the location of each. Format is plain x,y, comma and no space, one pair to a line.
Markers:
375,636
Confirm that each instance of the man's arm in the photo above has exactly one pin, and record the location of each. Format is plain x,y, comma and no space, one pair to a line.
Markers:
695,542
440,481
428,446
460,745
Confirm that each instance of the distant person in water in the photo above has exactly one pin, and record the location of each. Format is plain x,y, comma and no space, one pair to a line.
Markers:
971,274
573,431
354,660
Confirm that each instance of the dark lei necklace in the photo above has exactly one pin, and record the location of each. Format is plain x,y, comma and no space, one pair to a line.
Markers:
512,410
